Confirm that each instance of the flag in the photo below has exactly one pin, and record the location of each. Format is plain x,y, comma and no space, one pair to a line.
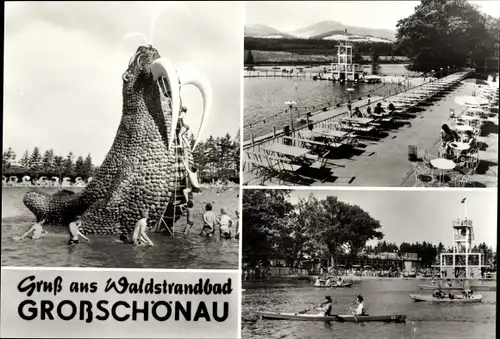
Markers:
463,200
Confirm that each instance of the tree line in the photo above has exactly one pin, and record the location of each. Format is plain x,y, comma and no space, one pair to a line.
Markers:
36,164
312,228
448,33
218,158
315,46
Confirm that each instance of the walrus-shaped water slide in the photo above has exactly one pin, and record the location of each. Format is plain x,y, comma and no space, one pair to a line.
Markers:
144,168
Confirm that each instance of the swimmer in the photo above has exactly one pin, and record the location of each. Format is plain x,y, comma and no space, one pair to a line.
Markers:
225,223
209,220
37,230
125,238
139,236
74,231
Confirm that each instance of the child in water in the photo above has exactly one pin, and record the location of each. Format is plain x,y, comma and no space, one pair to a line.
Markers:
37,230
74,231
189,216
209,220
193,179
225,223
140,236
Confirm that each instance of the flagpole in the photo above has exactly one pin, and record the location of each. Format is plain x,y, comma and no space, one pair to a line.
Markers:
465,208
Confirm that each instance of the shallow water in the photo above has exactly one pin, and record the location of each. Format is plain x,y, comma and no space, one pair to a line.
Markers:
424,320
265,97
191,251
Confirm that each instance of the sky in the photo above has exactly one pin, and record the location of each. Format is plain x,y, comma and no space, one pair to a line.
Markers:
64,63
411,216
368,14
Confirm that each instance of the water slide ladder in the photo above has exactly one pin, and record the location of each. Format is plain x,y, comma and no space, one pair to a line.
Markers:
173,209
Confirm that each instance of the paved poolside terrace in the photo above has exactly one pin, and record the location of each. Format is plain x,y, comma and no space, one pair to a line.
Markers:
382,160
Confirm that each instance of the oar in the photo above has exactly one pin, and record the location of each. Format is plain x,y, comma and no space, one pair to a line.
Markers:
354,314
305,311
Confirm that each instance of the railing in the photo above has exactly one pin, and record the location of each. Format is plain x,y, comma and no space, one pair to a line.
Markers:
463,223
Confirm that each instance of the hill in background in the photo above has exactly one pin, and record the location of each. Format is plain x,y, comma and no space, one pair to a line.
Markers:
326,30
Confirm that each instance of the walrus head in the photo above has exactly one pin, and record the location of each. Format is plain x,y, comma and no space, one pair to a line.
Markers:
146,68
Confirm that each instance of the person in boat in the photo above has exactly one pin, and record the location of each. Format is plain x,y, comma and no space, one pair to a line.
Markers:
325,308
140,236
360,308
74,231
438,293
467,293
36,231
448,283
193,180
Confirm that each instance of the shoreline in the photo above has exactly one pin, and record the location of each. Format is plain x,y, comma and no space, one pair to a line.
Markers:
355,280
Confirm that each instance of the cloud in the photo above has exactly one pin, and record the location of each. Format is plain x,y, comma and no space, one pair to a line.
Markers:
64,61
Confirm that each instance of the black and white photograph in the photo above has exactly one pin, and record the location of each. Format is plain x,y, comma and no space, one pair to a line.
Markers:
371,93
121,134
408,263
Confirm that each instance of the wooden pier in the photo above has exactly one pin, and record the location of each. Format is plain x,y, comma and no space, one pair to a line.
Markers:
279,74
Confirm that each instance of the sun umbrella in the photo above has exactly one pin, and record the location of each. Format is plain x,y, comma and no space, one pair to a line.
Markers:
476,81
467,100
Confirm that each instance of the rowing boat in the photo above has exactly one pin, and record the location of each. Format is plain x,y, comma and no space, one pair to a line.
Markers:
295,316
446,288
398,318
335,286
458,299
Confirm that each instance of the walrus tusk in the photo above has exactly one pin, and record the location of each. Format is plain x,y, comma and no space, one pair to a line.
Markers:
200,80
162,67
